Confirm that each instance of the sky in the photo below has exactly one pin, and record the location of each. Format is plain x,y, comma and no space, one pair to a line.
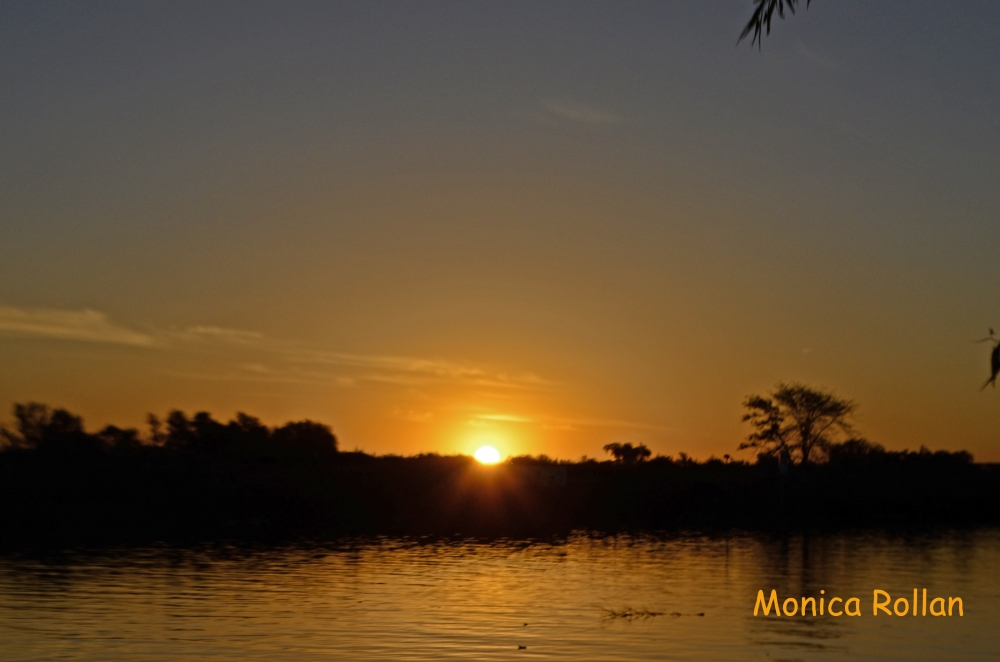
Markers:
546,226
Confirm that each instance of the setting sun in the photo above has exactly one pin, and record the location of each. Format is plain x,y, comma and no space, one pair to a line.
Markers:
487,455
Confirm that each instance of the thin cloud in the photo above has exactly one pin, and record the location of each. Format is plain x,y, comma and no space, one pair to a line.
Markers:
580,113
438,368
561,423
574,423
412,415
504,418
344,368
216,334
254,373
295,364
229,334
416,371
82,325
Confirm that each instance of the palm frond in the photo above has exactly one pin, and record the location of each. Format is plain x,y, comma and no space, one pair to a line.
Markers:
760,20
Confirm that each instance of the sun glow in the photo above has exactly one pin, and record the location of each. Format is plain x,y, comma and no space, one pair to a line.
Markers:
487,455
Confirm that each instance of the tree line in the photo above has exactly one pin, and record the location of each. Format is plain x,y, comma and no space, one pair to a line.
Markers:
57,431
795,425
195,477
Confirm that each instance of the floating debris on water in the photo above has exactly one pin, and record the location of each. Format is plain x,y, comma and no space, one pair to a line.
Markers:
629,614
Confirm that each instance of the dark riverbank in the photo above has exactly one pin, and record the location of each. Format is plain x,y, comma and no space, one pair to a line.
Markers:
155,494
200,479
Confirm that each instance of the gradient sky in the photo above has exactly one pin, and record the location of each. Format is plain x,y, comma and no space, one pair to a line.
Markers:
549,225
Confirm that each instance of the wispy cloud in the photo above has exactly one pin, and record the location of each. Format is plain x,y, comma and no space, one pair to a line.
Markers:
440,368
82,325
412,371
556,423
503,418
580,113
226,334
413,415
560,423
261,374
266,359
214,335
274,360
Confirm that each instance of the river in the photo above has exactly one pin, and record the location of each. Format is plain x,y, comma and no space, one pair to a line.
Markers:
587,597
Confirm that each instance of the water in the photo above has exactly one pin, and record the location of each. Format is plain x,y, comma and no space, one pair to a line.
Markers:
384,599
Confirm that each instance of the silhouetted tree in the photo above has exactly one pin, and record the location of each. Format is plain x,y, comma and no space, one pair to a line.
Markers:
120,440
9,439
157,436
32,420
209,434
939,458
684,460
65,435
249,429
247,436
796,420
179,430
627,453
248,424
55,431
306,436
854,451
